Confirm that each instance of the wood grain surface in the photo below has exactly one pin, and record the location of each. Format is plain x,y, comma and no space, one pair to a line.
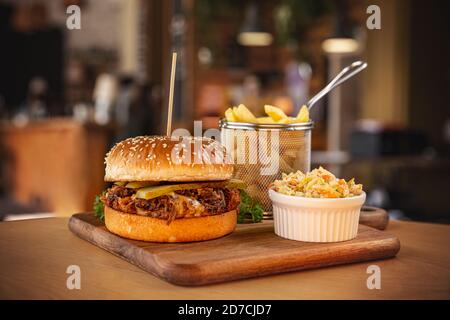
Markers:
35,255
251,251
374,217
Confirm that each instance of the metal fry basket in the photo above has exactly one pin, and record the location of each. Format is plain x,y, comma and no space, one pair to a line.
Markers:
262,152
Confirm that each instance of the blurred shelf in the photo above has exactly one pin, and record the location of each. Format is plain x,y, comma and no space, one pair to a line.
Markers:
55,165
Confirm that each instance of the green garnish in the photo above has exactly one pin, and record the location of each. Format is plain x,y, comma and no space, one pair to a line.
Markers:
249,208
99,207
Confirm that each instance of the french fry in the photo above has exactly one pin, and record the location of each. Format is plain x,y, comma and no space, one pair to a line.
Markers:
284,121
275,113
292,120
303,114
236,114
265,120
244,115
229,115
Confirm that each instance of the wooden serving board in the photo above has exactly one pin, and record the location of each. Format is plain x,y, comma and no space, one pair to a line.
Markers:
252,250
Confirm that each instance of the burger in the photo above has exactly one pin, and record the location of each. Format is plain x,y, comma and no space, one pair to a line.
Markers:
167,189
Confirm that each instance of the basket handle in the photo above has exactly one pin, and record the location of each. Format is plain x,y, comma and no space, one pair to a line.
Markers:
343,76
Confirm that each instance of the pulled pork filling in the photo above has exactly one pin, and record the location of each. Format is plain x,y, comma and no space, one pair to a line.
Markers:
175,205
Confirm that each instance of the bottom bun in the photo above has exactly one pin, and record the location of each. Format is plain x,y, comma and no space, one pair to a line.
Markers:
136,227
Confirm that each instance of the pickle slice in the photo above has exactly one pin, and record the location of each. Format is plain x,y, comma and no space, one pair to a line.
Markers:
120,183
140,184
157,191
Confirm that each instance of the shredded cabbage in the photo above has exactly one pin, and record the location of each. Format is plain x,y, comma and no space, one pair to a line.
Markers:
319,183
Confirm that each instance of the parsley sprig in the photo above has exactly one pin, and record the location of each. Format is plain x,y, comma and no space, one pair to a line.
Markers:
249,208
99,207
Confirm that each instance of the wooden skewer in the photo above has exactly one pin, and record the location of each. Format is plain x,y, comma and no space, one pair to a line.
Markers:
171,89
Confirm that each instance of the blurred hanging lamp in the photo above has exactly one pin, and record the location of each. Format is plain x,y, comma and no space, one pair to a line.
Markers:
252,33
342,40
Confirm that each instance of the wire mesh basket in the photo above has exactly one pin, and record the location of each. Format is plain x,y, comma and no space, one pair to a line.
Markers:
262,152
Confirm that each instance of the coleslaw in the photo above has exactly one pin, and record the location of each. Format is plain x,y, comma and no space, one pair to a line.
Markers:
319,183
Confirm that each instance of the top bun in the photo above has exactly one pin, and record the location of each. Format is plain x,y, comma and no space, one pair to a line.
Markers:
162,158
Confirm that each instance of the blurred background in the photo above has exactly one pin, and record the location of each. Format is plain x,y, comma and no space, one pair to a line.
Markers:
66,95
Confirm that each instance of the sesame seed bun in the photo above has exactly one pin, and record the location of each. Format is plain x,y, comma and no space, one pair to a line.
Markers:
160,158
144,228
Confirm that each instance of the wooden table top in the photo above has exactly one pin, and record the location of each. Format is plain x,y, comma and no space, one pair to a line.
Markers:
35,254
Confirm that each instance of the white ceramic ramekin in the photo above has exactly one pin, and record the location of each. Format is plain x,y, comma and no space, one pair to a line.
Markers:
316,220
